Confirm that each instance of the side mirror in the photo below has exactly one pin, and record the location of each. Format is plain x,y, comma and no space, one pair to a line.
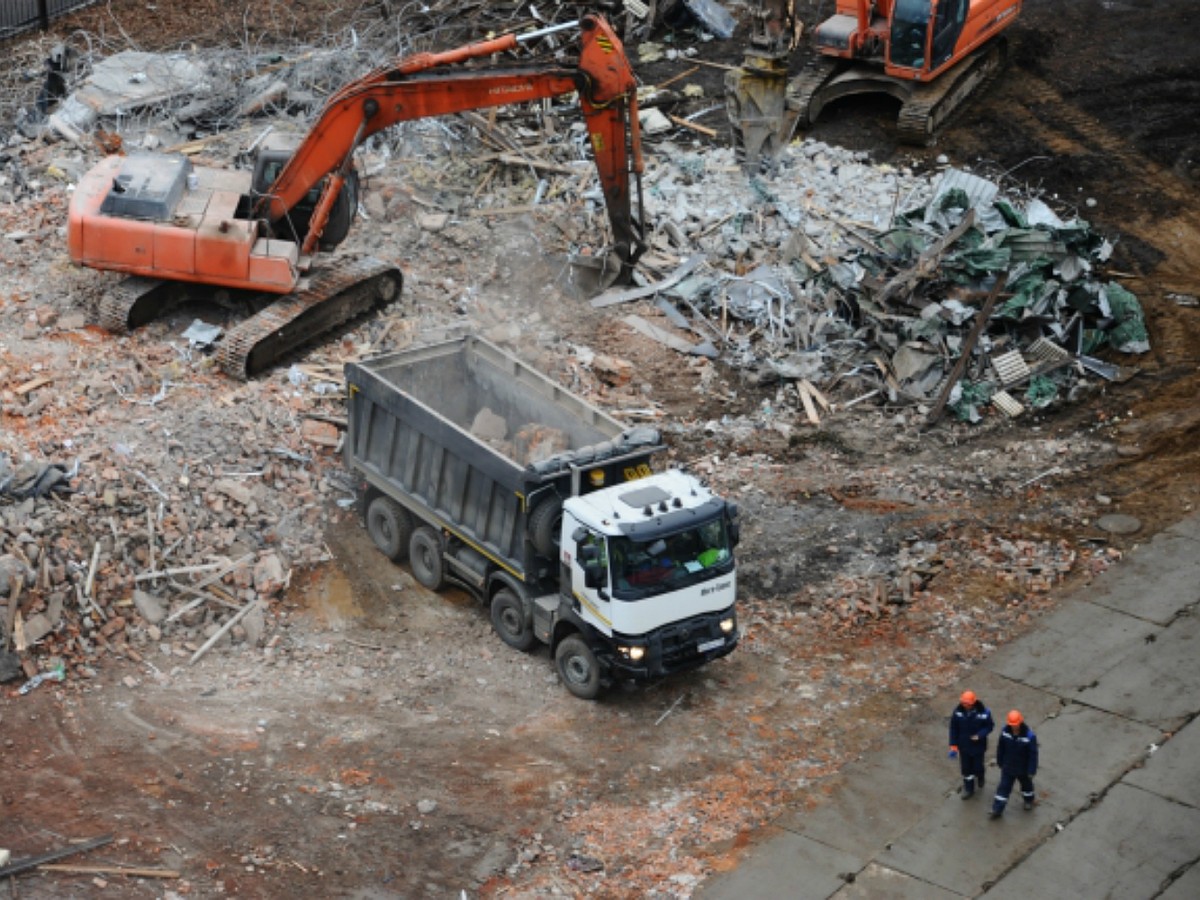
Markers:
594,575
588,553
735,534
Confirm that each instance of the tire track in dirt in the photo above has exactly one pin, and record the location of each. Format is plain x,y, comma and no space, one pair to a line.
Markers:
1067,130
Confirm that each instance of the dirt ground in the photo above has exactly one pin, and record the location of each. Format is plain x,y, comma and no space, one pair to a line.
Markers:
386,744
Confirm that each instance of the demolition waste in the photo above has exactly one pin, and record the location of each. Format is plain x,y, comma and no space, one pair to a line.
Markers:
837,279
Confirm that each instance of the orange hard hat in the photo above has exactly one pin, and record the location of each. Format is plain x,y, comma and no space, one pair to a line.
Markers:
968,698
1015,718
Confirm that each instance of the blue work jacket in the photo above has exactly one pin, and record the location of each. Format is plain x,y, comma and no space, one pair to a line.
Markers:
967,723
1017,751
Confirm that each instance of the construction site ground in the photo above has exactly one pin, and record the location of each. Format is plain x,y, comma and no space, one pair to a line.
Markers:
384,743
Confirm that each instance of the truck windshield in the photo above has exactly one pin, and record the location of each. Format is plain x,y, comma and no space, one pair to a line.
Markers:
668,562
910,22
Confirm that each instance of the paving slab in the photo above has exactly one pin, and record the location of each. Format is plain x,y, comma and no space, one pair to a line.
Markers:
1083,750
1174,769
1128,845
878,882
1188,528
958,848
786,865
1185,887
1071,648
1157,682
1170,562
878,799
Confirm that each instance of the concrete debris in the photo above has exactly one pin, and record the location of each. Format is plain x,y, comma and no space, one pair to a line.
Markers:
127,82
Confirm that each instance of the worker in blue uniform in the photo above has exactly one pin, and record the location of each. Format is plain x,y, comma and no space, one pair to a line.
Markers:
970,724
1017,757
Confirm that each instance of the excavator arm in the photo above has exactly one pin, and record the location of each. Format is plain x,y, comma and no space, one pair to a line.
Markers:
436,84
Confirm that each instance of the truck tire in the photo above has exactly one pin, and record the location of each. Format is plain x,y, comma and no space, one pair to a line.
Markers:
510,622
425,558
578,667
545,523
390,527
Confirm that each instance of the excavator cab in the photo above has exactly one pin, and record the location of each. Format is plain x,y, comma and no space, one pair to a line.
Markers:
270,158
924,34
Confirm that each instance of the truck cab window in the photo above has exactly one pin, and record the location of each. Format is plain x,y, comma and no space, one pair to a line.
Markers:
667,562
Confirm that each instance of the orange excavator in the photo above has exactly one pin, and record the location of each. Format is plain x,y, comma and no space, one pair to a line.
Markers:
931,55
168,224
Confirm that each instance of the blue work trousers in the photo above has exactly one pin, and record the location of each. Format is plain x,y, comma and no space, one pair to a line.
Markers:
1005,788
971,765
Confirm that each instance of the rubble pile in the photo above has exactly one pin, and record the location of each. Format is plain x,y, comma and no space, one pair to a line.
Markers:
151,529
854,277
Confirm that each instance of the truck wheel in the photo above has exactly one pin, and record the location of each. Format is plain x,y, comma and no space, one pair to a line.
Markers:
578,667
425,558
390,527
545,522
510,622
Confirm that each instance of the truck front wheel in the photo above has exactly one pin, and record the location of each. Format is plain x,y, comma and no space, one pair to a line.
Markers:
425,558
578,667
390,527
510,622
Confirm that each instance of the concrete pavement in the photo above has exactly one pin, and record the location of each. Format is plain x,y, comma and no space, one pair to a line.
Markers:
1110,682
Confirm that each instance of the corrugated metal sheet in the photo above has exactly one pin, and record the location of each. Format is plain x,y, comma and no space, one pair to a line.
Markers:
20,16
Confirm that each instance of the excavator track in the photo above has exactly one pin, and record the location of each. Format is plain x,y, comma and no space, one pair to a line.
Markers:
133,302
805,88
933,106
333,296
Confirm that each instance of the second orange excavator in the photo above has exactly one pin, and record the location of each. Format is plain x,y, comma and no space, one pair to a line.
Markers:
931,55
166,223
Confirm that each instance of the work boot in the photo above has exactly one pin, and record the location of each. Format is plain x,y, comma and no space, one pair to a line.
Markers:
967,795
1028,803
995,813
981,779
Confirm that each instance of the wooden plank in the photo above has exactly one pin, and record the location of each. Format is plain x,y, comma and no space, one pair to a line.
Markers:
810,409
960,364
707,132
33,385
110,870
926,265
515,159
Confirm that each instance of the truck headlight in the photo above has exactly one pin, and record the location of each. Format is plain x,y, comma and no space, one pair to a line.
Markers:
727,625
633,653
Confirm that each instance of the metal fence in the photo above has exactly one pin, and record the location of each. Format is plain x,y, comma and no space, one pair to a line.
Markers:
19,16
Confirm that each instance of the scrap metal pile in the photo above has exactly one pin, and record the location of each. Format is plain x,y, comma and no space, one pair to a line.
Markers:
966,297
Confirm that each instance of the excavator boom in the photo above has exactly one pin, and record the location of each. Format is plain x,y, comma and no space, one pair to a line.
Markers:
427,84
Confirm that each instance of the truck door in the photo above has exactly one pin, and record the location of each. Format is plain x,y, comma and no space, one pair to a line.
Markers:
587,560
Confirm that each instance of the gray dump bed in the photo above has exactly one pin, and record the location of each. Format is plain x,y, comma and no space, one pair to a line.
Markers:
470,437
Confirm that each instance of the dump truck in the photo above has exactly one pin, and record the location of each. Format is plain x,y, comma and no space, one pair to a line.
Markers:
484,473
